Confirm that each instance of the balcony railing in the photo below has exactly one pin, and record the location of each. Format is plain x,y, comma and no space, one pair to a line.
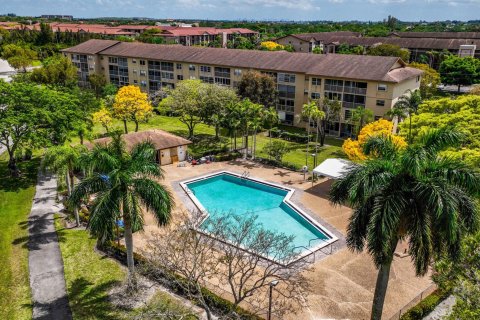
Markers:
352,105
362,91
329,87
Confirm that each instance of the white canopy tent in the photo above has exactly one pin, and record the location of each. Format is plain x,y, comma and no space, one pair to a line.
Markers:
332,168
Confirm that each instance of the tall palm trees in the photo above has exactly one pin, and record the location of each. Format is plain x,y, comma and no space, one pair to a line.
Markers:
412,194
63,160
123,184
406,106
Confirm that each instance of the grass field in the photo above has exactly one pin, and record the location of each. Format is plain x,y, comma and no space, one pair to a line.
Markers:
90,276
205,140
16,195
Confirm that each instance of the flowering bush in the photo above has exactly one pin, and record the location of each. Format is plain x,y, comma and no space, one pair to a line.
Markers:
354,148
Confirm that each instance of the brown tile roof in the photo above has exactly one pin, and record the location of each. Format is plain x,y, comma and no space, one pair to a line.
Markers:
91,46
333,65
160,139
438,35
419,43
357,67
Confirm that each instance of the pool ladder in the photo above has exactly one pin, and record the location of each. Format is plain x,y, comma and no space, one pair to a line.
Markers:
245,175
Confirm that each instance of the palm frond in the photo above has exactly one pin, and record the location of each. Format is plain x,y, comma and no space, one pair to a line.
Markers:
88,186
382,230
419,232
357,227
380,146
436,140
155,198
104,215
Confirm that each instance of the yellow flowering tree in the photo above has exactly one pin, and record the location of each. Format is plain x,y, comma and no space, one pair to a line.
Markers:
271,46
131,104
354,148
104,117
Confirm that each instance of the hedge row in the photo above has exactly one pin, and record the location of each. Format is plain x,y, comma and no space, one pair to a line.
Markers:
274,163
290,136
172,281
424,307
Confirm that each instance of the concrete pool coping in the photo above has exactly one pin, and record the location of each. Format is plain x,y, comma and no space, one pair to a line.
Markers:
287,200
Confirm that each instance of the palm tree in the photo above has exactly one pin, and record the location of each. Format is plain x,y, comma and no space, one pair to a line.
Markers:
413,194
123,184
406,106
255,113
310,112
360,117
63,160
270,118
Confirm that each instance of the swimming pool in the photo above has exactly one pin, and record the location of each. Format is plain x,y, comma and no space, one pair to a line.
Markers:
225,192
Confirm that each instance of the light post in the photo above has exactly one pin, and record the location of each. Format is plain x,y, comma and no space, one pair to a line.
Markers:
314,155
272,285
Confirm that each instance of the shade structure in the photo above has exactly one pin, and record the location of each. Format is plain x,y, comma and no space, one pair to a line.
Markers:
332,168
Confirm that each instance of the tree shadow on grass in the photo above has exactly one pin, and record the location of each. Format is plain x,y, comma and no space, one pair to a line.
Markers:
27,178
90,301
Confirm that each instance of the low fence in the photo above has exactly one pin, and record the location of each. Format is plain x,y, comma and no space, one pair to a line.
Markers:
425,293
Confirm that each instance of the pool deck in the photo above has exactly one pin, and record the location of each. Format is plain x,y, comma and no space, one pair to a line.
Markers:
342,283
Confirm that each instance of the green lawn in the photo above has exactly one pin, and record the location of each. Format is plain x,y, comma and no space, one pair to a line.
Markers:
205,140
16,197
89,277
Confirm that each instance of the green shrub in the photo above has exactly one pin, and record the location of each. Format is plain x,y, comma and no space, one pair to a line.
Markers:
424,307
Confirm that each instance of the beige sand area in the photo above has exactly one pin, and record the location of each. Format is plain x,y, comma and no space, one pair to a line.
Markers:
343,282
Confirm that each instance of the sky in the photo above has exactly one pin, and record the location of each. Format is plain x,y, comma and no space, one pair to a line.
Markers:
337,10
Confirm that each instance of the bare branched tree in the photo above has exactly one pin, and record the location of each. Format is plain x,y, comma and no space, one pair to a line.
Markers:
233,255
252,258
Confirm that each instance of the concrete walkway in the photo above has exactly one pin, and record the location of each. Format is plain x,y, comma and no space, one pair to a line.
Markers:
45,262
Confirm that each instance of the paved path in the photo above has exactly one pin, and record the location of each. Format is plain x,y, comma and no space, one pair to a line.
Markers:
442,310
45,262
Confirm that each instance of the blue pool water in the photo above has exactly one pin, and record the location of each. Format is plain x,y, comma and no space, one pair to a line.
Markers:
225,193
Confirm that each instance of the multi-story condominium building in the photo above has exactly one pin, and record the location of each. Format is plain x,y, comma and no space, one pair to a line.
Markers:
418,43
357,81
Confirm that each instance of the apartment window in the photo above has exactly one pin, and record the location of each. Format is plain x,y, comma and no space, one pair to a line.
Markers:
180,77
382,87
381,103
142,62
315,95
206,79
333,85
191,67
222,76
91,58
418,78
222,72
206,69
179,66
237,72
316,81
348,114
286,77
285,91
135,81
118,71
192,78
143,73
286,105
166,75
378,118
166,66
143,83
134,60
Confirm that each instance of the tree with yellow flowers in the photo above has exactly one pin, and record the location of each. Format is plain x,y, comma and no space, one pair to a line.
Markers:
271,46
104,117
131,104
354,148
